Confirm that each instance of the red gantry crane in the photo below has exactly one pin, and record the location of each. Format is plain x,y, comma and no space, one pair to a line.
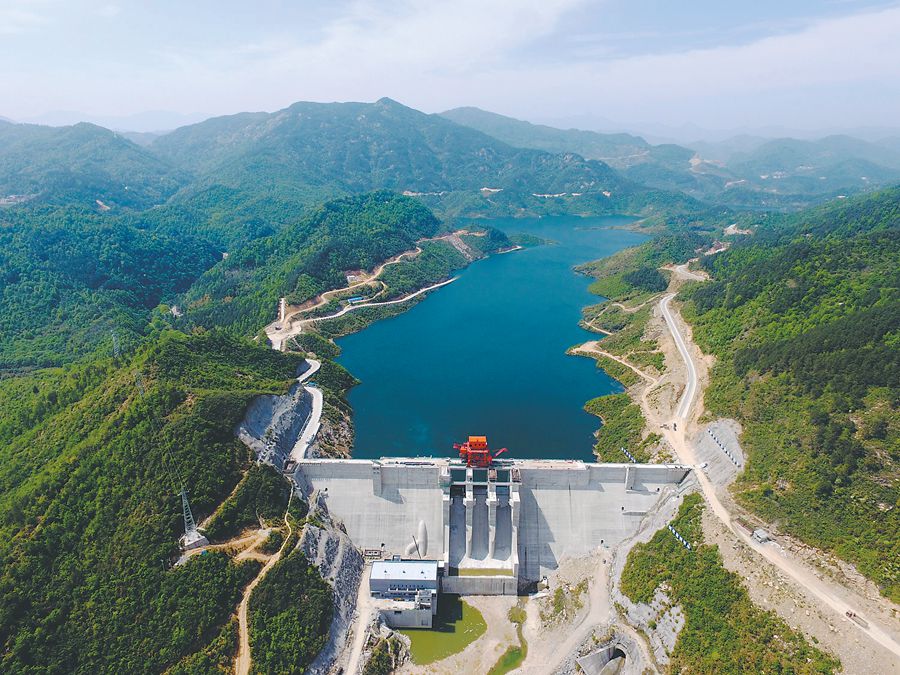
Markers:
475,452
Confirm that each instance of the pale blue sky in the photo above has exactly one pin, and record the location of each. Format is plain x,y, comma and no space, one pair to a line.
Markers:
651,63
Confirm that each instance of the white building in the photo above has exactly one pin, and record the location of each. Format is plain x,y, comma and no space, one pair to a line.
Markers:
406,591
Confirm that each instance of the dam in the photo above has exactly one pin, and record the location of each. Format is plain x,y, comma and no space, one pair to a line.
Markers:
493,526
492,530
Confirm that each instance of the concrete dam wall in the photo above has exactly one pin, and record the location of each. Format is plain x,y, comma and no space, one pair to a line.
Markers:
516,520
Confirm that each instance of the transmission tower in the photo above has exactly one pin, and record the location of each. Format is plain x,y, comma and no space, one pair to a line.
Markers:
117,351
192,537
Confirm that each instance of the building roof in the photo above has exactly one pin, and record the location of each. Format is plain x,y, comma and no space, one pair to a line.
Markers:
405,570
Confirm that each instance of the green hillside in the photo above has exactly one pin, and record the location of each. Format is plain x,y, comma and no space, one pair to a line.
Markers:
69,276
81,164
89,516
353,147
804,318
742,172
724,632
306,258
72,276
618,150
663,167
783,153
787,173
310,152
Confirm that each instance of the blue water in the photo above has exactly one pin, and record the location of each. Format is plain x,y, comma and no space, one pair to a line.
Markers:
486,355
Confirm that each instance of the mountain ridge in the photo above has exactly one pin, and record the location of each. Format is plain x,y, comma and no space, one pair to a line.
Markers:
743,171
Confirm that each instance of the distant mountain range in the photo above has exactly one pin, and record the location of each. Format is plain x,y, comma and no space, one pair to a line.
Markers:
155,121
82,163
319,150
310,152
741,171
462,163
618,150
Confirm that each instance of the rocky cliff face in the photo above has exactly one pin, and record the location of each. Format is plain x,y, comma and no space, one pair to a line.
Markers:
660,621
327,546
272,424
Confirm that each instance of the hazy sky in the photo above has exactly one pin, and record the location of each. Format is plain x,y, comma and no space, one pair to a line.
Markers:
713,63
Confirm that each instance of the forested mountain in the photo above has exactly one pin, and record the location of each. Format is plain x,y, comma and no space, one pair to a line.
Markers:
791,152
82,164
665,167
804,317
89,509
354,147
787,172
69,276
740,172
313,151
306,258
620,151
823,166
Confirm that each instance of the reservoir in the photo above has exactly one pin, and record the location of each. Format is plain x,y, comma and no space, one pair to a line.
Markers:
485,355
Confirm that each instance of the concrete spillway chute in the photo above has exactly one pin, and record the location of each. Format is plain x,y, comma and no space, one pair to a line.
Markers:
512,521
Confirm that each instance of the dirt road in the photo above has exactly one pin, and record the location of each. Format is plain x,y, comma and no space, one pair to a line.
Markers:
279,337
350,308
690,389
546,658
591,347
364,614
822,589
244,659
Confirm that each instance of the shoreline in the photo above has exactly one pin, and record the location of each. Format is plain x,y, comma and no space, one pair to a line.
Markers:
279,336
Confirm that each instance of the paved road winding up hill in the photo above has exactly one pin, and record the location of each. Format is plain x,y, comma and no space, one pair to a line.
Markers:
822,589
690,389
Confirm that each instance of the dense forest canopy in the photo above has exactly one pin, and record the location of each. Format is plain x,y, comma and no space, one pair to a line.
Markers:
81,164
69,276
